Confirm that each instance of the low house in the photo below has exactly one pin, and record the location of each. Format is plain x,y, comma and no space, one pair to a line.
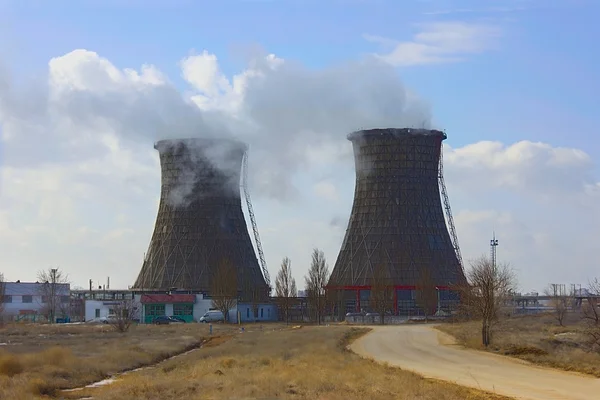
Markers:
146,306
186,306
34,301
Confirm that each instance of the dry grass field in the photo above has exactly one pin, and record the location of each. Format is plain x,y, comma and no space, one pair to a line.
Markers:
535,338
310,362
274,361
40,359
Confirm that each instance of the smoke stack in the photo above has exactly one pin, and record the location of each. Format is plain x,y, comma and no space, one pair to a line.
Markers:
397,221
200,223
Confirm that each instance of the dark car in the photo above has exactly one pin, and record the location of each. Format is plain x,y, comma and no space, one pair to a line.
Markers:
164,320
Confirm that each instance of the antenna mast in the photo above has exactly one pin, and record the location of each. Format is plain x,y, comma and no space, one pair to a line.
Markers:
259,249
493,245
448,210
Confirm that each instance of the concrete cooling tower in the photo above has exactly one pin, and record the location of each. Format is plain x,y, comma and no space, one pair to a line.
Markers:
397,221
200,221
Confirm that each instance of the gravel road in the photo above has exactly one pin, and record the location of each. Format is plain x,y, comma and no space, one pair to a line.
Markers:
428,352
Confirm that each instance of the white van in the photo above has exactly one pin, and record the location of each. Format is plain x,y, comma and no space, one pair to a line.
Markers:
212,316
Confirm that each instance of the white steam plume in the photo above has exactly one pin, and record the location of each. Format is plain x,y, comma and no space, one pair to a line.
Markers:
281,109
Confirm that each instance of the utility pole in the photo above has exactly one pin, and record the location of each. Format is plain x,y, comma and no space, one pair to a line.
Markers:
53,295
493,245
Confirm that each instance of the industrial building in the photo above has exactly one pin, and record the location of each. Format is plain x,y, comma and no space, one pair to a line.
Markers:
34,301
397,228
200,225
148,305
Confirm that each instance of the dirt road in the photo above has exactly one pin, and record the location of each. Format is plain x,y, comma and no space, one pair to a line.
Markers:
434,354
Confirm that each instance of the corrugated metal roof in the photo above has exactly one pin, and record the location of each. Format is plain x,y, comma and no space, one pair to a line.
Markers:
34,289
168,298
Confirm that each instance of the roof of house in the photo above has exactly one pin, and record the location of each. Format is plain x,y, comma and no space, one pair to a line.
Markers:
34,289
168,298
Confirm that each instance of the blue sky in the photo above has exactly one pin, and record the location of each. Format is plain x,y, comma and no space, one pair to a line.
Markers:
530,75
543,64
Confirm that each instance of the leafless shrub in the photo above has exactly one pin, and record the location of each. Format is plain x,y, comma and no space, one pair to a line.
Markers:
2,293
558,302
590,309
125,312
285,287
335,300
224,288
253,295
382,291
426,293
591,314
488,288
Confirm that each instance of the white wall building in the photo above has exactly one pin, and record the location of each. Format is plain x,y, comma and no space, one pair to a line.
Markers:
31,301
190,307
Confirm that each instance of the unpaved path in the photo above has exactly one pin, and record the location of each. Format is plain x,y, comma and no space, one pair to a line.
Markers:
426,351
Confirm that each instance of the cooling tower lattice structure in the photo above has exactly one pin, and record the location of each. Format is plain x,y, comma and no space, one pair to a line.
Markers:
200,222
397,228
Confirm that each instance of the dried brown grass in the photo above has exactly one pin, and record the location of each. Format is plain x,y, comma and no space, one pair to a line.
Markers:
39,360
307,363
534,338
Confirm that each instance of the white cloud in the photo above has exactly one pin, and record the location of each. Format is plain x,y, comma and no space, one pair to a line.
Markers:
326,190
80,179
531,168
541,201
438,42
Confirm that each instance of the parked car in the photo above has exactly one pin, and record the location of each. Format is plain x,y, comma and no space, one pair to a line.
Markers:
166,320
212,316
103,320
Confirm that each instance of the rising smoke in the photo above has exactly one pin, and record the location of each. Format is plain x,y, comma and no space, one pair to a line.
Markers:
281,109
197,168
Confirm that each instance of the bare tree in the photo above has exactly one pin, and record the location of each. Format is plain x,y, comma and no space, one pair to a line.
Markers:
334,301
54,292
285,287
382,293
124,314
591,314
317,277
2,293
488,288
426,295
590,309
558,302
224,288
252,295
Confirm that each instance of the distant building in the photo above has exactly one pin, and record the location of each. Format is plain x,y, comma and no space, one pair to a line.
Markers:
31,301
149,305
583,292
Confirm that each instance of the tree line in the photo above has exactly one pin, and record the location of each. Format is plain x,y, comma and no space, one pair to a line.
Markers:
331,302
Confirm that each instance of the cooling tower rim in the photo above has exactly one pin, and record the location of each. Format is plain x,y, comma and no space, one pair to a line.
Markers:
200,142
395,132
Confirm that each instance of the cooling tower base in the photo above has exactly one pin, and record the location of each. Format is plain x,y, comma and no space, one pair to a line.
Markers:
356,299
